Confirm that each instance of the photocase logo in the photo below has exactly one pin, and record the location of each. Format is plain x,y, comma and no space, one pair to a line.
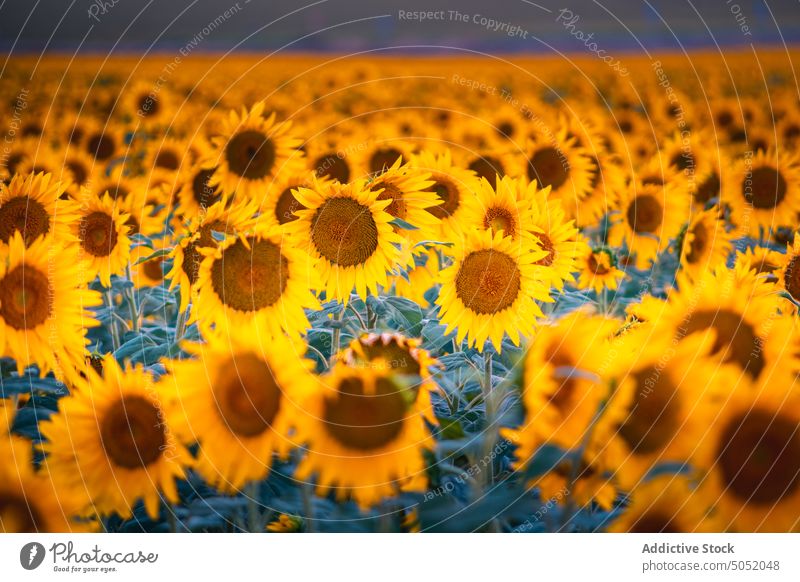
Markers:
31,555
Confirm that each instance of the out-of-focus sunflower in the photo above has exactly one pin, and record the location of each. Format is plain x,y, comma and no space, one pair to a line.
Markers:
238,400
396,354
29,503
608,178
789,274
665,504
452,185
380,154
565,379
488,163
187,256
491,289
415,281
30,206
195,193
104,242
111,443
43,303
598,269
167,154
556,234
255,284
347,232
664,392
104,142
750,456
365,434
766,262
705,243
148,104
649,217
148,273
762,191
252,151
143,217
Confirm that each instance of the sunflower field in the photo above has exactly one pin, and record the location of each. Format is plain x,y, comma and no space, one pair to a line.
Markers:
400,295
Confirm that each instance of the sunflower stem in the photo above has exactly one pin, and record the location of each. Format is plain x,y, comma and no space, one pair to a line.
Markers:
130,298
180,326
337,332
307,492
253,512
604,301
372,317
112,325
487,373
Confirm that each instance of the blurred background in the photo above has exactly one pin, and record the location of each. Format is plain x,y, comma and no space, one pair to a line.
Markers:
141,26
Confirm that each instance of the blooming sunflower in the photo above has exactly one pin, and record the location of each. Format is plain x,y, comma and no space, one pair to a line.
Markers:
347,232
187,256
28,502
649,217
598,269
238,401
255,283
505,208
491,289
406,186
365,434
43,304
665,504
767,263
762,191
705,244
279,205
30,205
252,151
103,234
111,443
750,458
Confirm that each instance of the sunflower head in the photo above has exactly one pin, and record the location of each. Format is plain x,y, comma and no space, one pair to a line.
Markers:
30,205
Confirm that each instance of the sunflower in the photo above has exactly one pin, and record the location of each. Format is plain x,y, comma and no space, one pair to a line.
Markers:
149,103
111,443
195,193
252,151
738,309
42,304
346,230
789,273
649,217
565,379
187,256
381,153
491,289
750,458
167,154
103,234
567,169
238,401
487,163
30,206
365,433
505,208
28,502
397,354
665,504
608,178
763,192
664,390
415,281
255,283
598,269
104,142
767,263
148,273
452,185
144,218
407,187
705,244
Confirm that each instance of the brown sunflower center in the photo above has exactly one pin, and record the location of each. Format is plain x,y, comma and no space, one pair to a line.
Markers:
79,172
101,146
153,269
498,219
25,298
699,245
26,216
595,267
566,383
683,160
132,432
191,262
167,159
98,234
655,521
548,167
393,355
250,154
488,281
286,206
250,279
148,106
759,456
654,416
645,214
736,339
204,194
248,396
116,191
398,207
547,246
18,514
766,188
487,167
333,166
708,189
792,277
383,159
344,232
446,191
363,420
